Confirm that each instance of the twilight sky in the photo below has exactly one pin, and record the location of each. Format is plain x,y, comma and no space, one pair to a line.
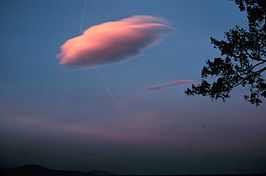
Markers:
126,112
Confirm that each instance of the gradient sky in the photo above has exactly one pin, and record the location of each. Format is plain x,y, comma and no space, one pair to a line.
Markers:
65,118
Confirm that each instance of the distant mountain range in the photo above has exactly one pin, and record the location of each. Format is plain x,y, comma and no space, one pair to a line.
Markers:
35,170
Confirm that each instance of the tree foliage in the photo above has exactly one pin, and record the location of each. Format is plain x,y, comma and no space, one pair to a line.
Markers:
242,61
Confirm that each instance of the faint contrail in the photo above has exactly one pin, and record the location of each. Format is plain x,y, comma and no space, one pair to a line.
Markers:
108,90
82,16
99,72
118,103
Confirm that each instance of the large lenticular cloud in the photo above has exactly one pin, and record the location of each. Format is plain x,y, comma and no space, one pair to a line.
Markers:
112,42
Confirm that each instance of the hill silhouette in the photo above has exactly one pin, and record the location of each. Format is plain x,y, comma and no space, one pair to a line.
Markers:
36,170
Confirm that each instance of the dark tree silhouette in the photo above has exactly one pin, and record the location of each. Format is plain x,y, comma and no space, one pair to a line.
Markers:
242,61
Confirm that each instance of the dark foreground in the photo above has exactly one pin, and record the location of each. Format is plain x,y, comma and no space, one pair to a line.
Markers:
35,170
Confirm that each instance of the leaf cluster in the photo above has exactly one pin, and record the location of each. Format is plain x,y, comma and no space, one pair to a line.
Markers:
242,61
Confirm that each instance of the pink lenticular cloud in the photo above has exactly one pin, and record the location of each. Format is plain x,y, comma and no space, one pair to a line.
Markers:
113,42
168,84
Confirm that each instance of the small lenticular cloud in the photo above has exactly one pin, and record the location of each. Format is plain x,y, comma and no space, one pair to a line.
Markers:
168,84
113,42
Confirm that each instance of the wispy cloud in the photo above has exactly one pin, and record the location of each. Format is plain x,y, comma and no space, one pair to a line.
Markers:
168,84
113,42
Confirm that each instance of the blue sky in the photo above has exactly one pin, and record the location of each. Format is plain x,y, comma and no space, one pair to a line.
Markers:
64,118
